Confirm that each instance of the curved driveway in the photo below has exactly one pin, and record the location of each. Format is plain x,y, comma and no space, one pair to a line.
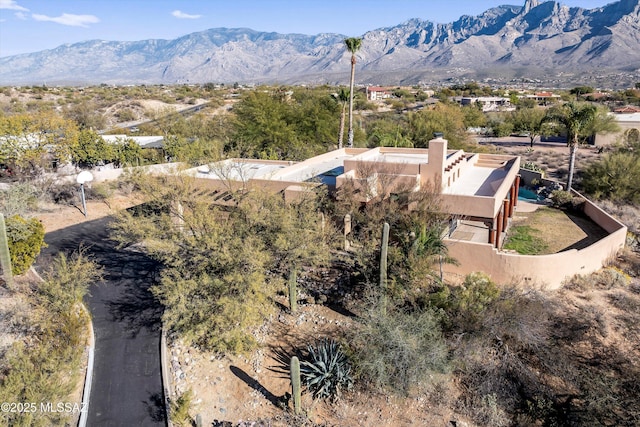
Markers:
127,384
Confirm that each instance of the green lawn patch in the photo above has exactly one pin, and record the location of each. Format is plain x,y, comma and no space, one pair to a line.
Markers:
525,240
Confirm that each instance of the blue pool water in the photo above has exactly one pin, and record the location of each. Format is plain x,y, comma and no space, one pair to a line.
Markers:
527,195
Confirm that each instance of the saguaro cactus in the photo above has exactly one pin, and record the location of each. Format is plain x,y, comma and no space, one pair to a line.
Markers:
383,265
296,387
5,257
293,291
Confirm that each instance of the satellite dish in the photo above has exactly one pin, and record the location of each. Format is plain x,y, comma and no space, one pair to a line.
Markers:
84,176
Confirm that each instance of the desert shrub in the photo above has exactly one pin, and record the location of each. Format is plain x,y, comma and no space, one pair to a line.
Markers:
101,191
125,115
490,413
179,409
492,351
561,199
463,306
607,278
628,214
64,194
532,167
132,180
326,370
633,242
67,281
616,177
19,199
628,260
46,364
26,239
399,351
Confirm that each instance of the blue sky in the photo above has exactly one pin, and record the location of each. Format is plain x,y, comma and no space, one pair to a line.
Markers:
34,25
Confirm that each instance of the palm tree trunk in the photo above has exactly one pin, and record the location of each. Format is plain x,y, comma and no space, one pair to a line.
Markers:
341,136
573,148
353,77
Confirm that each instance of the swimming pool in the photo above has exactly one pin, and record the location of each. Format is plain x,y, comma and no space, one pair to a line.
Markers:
527,195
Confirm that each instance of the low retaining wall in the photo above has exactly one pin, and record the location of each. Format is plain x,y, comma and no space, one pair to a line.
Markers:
106,173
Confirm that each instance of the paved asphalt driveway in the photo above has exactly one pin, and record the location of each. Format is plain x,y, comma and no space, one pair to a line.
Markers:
127,384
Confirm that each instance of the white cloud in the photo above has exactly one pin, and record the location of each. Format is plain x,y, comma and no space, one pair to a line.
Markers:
181,15
12,5
22,16
68,19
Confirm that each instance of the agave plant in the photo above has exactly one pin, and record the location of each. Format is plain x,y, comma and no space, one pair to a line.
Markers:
326,370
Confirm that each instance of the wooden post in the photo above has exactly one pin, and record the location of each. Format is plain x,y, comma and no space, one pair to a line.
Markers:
347,231
505,217
498,229
492,232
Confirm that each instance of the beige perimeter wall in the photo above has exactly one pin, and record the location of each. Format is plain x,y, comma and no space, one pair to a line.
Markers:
550,270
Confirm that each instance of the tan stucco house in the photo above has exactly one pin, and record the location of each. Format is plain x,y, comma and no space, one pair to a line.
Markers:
479,192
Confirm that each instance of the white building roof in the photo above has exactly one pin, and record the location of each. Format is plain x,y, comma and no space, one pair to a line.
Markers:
627,117
142,141
478,181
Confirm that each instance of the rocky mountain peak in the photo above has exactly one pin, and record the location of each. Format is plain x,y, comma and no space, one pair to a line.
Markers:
539,37
530,4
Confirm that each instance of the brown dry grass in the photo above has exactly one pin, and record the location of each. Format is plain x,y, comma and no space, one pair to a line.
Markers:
560,230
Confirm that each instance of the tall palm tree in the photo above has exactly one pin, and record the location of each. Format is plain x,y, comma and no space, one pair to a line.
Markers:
353,45
342,97
580,121
429,243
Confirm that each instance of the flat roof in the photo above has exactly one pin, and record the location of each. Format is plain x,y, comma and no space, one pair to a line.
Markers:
399,158
478,181
312,170
627,117
235,170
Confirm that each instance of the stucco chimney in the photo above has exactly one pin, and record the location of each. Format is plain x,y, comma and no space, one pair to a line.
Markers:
437,160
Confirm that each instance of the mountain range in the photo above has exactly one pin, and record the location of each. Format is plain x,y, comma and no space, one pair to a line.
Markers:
535,39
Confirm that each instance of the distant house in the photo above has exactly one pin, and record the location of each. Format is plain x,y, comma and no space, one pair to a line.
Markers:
543,98
488,103
629,109
629,124
142,141
376,93
595,96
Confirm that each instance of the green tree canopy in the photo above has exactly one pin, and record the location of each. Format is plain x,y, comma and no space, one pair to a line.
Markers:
580,121
31,142
92,149
529,121
447,119
222,267
285,124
